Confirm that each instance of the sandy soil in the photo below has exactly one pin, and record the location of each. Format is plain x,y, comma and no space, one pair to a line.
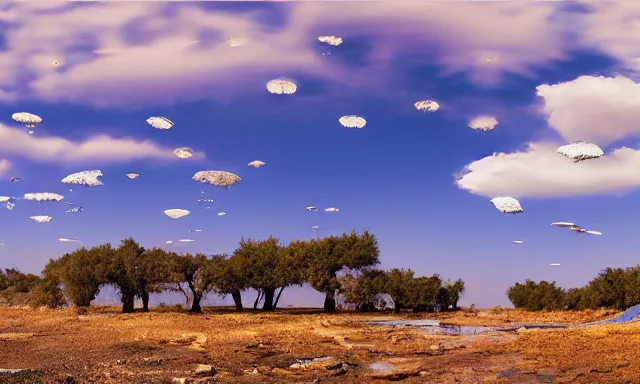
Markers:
104,346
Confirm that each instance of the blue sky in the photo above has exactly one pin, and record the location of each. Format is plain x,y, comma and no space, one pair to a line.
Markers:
421,181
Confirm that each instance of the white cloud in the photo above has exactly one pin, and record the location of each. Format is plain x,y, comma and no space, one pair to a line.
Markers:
539,171
597,109
601,110
99,149
462,34
5,166
154,63
612,27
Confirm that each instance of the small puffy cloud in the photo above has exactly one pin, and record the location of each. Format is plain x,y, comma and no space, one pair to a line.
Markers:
539,171
597,109
99,149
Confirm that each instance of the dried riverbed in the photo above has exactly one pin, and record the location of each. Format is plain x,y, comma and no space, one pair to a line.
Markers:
294,347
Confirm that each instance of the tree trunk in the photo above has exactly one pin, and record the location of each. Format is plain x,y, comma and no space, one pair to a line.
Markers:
330,302
255,303
195,304
144,295
269,293
396,306
128,298
275,305
237,299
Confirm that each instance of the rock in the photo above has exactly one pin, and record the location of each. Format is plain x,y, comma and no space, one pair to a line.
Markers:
423,373
12,371
437,348
521,329
622,364
15,335
545,375
340,368
399,337
205,370
67,380
252,371
179,380
312,363
507,373
151,360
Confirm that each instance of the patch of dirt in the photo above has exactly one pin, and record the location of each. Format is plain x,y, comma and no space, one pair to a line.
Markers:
104,346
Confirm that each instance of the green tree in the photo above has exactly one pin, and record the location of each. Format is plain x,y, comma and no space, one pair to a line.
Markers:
537,296
81,273
197,273
334,254
265,266
151,273
610,288
294,259
15,285
399,287
228,278
362,290
450,294
47,293
124,265
423,292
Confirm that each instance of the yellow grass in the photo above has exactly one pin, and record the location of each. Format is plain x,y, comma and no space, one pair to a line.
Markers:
104,346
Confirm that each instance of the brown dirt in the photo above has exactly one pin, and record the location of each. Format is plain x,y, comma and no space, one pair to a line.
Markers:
104,346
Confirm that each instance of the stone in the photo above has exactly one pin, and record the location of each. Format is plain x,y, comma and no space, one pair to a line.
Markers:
622,364
205,370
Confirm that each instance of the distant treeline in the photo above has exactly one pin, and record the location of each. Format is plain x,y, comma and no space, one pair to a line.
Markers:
616,288
338,266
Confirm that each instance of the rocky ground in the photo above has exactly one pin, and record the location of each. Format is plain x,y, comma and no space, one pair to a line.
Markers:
103,346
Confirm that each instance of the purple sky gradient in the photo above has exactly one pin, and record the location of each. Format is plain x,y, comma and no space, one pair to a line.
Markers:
421,182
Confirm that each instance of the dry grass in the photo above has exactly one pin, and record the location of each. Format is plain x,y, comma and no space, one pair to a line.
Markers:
104,346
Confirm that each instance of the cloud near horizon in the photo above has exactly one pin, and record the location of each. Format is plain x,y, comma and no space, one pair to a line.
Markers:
154,60
100,149
597,109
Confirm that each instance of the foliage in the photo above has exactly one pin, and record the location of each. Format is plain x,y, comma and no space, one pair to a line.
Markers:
423,293
419,294
398,285
81,273
362,290
333,254
616,288
46,293
334,264
197,273
15,285
537,296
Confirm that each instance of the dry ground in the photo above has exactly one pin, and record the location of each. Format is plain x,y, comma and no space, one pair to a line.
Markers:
104,346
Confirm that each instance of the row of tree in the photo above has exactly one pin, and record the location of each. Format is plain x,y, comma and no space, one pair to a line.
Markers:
338,266
617,288
420,294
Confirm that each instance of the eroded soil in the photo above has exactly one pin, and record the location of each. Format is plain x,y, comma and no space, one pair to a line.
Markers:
104,346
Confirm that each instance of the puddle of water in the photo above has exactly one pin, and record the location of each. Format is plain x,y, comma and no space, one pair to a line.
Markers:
433,327
407,323
313,360
458,330
545,326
